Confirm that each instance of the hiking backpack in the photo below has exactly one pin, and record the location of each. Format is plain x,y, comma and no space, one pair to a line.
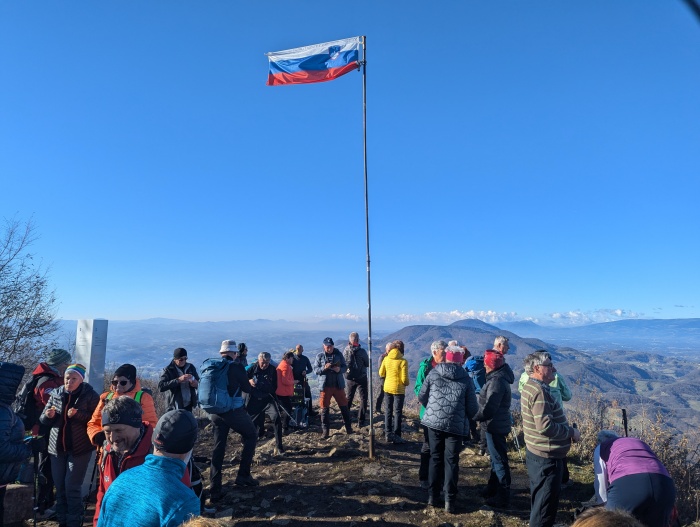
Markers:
477,371
213,387
25,404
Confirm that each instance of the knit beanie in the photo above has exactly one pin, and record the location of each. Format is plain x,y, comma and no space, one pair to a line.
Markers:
176,432
57,357
493,359
78,368
128,371
454,354
180,353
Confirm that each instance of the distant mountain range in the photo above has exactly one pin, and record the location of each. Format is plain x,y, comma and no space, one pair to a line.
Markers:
644,365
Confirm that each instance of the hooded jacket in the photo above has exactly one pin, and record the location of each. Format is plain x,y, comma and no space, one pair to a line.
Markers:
69,434
285,379
149,410
449,399
494,401
394,371
170,385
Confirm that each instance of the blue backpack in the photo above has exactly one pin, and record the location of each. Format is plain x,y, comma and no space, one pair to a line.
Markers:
213,387
477,371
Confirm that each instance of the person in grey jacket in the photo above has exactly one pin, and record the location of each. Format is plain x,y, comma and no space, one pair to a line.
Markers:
449,400
494,412
329,366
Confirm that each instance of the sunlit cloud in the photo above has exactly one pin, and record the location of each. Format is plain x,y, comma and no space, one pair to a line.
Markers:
580,318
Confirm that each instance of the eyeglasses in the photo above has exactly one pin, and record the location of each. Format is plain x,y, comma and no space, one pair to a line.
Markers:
550,365
120,383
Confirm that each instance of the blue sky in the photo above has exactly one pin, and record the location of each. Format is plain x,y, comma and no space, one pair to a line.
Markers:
526,159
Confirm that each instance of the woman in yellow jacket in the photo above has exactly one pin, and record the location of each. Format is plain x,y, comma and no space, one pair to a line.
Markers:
394,371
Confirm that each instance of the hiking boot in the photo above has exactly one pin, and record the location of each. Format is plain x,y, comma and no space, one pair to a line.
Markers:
449,507
325,434
491,487
246,481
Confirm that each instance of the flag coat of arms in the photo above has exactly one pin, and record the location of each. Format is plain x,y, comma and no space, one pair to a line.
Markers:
316,63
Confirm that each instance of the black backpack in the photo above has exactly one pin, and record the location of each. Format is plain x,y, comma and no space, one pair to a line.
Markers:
25,405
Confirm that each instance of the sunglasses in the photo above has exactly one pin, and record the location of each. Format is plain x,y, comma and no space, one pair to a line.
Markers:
181,358
120,383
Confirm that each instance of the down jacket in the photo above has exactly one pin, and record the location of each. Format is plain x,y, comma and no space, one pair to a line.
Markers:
394,371
449,399
69,434
13,450
494,401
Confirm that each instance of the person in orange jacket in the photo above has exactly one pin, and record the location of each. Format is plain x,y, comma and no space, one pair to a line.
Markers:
285,387
124,382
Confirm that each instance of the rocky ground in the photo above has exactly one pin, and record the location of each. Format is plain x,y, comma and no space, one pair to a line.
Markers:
333,482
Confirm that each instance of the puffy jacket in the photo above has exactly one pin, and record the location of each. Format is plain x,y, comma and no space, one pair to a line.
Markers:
149,410
449,399
171,386
394,371
69,434
357,361
49,380
328,377
13,449
494,401
285,379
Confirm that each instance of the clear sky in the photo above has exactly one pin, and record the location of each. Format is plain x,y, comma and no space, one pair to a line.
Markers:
534,160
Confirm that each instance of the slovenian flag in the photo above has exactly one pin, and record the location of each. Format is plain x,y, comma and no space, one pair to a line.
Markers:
317,63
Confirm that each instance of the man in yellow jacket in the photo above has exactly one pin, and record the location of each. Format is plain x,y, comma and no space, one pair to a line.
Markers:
394,372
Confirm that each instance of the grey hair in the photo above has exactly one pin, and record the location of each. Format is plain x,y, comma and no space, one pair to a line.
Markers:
500,340
389,346
354,335
438,345
535,359
453,343
264,355
605,435
122,405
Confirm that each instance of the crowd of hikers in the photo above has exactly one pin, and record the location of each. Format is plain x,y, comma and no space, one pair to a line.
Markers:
145,468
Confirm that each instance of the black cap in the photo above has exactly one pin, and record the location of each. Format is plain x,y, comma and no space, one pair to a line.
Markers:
328,341
180,353
128,371
176,432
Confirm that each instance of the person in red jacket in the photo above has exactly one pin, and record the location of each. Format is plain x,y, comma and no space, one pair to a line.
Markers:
285,387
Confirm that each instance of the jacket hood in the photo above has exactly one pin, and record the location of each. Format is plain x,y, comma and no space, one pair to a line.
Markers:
394,354
45,369
504,372
450,370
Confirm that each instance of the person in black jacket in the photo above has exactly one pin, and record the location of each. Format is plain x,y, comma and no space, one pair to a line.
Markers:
262,401
237,420
449,400
13,449
494,413
179,381
301,368
68,411
357,362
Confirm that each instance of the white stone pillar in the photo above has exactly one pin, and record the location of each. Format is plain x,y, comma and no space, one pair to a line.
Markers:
91,350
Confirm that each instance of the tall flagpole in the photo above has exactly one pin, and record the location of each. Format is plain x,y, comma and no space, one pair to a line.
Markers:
369,294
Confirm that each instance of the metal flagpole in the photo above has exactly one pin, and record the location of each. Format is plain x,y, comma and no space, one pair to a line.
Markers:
369,295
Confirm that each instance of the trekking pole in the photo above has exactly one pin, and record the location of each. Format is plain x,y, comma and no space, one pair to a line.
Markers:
35,508
517,445
279,406
624,420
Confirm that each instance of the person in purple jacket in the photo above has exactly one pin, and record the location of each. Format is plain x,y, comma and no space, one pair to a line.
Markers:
630,477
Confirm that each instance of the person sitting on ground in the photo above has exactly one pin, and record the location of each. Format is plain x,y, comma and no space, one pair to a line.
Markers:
329,366
630,477
67,413
302,368
263,380
152,494
179,382
356,375
285,388
124,383
13,449
448,396
494,411
437,355
394,374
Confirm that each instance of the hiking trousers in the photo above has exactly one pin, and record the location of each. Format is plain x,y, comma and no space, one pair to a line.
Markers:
239,421
359,385
545,487
68,471
443,473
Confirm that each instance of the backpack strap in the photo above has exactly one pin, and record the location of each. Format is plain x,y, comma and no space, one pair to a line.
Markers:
109,397
138,395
